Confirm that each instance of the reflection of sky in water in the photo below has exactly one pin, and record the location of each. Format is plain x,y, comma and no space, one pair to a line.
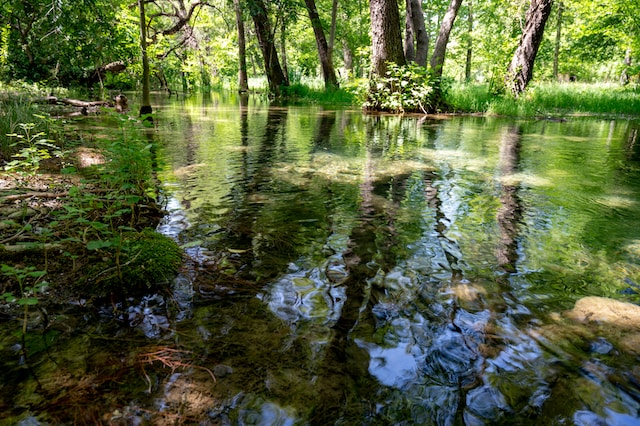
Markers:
394,366
308,294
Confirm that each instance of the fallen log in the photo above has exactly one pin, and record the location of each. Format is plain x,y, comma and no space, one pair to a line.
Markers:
76,102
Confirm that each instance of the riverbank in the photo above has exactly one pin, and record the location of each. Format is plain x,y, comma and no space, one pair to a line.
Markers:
79,212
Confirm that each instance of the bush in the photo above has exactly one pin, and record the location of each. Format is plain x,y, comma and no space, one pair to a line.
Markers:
407,88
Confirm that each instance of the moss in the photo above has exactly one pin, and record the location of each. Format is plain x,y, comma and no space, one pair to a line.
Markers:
144,262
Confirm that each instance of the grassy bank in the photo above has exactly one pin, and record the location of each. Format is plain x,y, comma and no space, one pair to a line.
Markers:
543,99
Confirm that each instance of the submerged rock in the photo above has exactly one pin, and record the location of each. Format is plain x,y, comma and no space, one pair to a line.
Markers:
601,310
617,321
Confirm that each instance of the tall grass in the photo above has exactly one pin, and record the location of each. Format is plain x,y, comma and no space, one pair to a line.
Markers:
554,99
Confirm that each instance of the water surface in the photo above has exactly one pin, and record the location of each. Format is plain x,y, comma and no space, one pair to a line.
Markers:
362,269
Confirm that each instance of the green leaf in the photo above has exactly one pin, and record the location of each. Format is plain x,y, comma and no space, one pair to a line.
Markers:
98,244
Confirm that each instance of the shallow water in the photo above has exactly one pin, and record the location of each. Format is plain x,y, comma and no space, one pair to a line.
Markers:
361,269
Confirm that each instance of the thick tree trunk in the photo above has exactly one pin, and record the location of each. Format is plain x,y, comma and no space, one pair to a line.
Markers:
417,38
275,75
520,69
409,36
440,49
145,105
243,81
386,35
328,72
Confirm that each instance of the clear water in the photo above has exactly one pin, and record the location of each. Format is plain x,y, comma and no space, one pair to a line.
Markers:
361,269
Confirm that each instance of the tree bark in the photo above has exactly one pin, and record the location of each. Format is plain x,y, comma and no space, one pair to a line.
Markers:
332,32
467,68
440,49
145,105
386,36
243,81
417,42
520,69
275,75
328,72
409,35
556,52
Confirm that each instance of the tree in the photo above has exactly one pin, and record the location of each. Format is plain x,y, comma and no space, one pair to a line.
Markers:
328,72
416,45
386,37
520,69
556,52
439,51
467,68
145,105
275,75
243,84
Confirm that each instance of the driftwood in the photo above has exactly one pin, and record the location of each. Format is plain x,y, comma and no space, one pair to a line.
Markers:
86,107
76,102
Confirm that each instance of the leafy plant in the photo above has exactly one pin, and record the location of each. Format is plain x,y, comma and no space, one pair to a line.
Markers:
34,148
28,293
407,88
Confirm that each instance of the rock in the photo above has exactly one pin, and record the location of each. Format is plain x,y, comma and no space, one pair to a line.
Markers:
603,310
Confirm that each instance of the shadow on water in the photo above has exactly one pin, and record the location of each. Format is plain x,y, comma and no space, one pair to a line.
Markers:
350,269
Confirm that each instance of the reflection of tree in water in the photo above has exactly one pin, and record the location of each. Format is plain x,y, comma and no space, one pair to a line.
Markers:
510,211
343,374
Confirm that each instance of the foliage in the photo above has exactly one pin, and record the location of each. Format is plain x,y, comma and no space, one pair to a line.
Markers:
408,88
28,280
32,149
545,99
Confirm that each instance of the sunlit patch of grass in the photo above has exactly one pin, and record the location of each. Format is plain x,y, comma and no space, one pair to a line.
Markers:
547,99
306,94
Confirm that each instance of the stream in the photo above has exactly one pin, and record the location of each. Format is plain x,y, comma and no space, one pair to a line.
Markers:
353,269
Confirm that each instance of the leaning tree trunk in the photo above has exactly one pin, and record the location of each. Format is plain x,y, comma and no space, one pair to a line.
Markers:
275,75
520,69
328,72
243,81
437,59
386,36
145,106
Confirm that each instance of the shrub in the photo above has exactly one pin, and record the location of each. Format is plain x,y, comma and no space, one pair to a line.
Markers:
407,88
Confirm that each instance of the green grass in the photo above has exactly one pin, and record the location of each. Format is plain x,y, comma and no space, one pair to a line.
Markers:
556,99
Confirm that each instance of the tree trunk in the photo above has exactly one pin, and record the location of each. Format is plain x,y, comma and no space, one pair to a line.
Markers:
283,47
328,72
332,33
417,40
243,81
386,36
275,75
520,69
347,57
409,36
556,52
440,49
467,68
145,106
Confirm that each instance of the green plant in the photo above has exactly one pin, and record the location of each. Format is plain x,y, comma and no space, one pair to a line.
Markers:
28,293
407,88
34,148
